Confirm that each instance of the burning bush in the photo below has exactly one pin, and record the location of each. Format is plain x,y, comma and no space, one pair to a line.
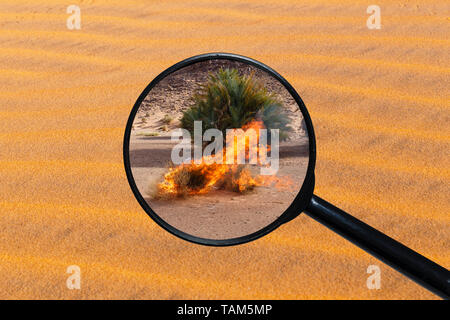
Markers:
227,101
230,100
191,179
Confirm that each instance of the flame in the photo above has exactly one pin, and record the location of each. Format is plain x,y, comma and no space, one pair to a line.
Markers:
193,179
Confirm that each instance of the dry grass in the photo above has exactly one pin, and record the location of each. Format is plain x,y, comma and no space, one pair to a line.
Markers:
191,180
148,134
167,119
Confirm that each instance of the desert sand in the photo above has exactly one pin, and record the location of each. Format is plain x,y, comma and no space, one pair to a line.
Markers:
379,101
219,214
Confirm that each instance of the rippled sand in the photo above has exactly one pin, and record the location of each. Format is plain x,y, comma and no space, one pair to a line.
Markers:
379,100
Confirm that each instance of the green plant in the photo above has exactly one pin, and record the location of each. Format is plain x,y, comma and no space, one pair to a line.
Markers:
230,100
167,119
148,134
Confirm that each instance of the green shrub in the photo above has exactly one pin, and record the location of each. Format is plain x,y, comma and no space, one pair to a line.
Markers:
230,100
167,119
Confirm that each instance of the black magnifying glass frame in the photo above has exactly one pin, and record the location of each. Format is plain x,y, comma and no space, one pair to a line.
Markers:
410,263
300,202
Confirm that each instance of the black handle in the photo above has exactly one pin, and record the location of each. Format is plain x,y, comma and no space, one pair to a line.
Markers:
415,266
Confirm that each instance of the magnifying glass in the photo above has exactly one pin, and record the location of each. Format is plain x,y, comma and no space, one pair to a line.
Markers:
219,150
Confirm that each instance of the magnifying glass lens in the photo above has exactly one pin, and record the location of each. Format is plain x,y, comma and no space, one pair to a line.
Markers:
219,149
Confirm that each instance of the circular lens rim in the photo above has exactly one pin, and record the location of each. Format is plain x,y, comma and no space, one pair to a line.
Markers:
298,205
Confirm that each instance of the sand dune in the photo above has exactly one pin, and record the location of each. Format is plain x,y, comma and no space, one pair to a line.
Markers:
379,104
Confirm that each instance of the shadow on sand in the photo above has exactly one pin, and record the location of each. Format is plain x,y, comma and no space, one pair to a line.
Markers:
160,157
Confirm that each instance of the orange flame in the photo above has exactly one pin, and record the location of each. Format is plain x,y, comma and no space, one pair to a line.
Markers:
192,178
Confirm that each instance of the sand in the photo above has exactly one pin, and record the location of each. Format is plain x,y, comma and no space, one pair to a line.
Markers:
220,214
379,104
